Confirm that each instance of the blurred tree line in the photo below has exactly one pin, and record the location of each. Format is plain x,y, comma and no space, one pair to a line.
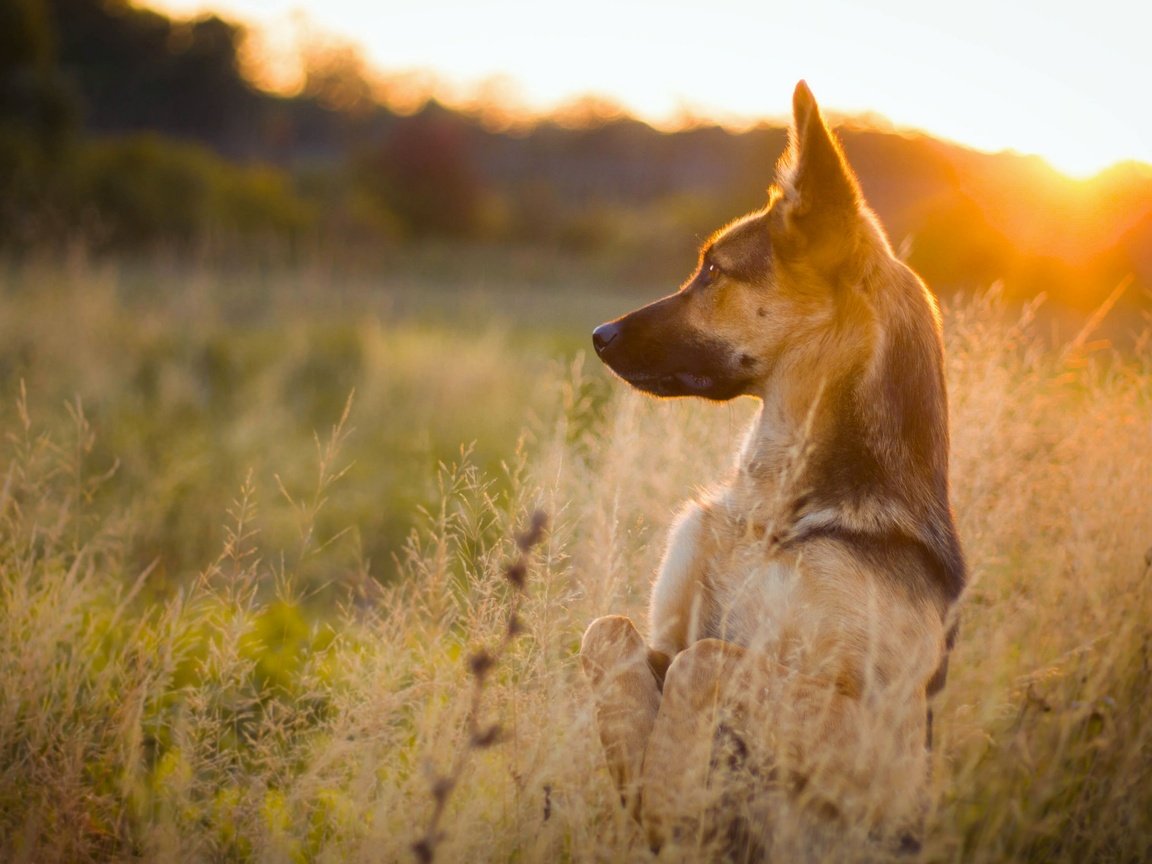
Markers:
128,130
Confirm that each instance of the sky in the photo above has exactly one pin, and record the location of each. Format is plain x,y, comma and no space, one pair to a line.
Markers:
1068,81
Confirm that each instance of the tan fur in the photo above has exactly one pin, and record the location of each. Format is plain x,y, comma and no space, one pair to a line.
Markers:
801,612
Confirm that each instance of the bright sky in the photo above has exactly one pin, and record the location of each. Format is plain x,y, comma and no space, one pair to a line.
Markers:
1066,80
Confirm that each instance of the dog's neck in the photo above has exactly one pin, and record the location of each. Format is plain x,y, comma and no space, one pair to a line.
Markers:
855,455
826,452
783,440
775,440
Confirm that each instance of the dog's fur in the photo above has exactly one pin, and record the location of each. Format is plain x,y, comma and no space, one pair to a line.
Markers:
801,617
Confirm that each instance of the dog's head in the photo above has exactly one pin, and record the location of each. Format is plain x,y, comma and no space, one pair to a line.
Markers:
776,280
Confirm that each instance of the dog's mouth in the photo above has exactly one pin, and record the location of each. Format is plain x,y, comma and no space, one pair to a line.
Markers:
679,384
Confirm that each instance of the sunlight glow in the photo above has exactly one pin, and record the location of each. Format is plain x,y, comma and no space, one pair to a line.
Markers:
1057,79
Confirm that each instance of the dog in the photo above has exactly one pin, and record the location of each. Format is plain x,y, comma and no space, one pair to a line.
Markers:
803,613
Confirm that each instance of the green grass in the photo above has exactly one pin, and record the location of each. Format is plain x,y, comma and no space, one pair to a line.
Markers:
191,378
237,605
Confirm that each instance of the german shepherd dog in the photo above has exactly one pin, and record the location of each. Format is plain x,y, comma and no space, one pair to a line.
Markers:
802,616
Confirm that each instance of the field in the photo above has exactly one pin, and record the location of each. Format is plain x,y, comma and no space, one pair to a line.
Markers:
254,531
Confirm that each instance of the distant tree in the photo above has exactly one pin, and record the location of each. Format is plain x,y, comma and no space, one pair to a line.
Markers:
137,70
336,75
425,174
36,111
208,96
32,93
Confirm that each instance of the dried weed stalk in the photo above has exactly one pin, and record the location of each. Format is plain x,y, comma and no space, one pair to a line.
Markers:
480,664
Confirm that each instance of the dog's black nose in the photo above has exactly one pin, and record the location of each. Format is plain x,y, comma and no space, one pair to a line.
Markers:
603,335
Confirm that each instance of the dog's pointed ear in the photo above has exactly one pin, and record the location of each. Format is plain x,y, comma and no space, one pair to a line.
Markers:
820,195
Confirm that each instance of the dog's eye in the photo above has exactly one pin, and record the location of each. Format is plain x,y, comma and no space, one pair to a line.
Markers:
708,273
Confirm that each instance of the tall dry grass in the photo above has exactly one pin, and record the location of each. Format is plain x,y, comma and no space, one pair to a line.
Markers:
226,719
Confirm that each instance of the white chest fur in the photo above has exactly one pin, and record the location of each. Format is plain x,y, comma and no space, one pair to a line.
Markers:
749,594
719,578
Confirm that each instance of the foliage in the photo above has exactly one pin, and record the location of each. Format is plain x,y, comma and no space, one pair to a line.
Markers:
136,69
145,191
332,168
281,697
194,376
425,175
36,110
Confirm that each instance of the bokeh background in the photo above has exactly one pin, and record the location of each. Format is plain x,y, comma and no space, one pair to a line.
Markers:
128,130
294,324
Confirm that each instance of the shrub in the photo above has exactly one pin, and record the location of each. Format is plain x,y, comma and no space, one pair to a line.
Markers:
140,191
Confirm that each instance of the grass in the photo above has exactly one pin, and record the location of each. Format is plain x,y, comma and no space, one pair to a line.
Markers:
237,609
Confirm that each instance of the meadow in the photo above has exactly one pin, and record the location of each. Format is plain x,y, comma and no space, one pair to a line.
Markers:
256,525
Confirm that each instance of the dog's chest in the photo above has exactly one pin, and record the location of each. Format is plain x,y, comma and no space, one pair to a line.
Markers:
753,597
